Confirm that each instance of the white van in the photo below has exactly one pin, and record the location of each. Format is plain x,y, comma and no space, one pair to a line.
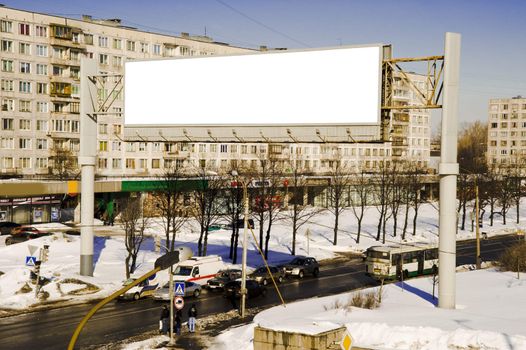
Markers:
198,269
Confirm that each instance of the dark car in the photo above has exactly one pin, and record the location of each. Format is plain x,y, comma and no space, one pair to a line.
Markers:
222,278
7,226
24,236
254,289
262,276
301,266
30,229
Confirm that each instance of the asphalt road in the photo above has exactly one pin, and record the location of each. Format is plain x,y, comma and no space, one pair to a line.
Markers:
52,329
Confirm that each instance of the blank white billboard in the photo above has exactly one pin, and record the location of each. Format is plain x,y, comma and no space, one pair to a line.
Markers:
326,86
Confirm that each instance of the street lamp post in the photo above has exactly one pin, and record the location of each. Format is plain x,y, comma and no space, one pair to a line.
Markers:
245,243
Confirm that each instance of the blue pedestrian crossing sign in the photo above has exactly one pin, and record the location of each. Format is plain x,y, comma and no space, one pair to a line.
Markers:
31,260
179,289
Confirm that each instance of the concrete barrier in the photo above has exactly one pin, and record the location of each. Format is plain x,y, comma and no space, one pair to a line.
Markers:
269,339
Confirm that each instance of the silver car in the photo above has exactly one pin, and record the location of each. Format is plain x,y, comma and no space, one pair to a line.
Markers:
191,289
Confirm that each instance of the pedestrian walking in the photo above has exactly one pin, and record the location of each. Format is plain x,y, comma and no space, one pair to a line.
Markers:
164,320
192,314
178,321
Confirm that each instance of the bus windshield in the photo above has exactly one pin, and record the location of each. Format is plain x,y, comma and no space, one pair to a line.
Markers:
183,270
373,254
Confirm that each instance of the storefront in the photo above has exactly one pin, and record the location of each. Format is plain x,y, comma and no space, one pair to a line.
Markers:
30,210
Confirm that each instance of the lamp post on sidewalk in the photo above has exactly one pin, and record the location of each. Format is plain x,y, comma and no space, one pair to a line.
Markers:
245,234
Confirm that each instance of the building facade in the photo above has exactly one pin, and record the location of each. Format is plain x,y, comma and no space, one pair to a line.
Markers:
40,68
506,130
40,71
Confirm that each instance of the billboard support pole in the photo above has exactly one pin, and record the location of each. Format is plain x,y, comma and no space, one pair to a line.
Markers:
448,170
87,155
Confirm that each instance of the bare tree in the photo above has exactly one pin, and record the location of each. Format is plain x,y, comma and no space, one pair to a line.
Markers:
64,163
382,194
416,180
396,179
301,212
233,192
206,206
464,194
518,171
507,187
339,177
361,189
491,190
169,196
275,193
134,225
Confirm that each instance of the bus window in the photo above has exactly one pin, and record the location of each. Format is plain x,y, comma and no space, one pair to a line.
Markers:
432,254
395,260
377,255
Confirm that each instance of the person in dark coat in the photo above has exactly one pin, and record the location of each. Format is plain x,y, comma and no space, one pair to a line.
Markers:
233,300
164,319
192,315
178,321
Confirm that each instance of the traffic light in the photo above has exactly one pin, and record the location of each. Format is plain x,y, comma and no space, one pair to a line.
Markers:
37,268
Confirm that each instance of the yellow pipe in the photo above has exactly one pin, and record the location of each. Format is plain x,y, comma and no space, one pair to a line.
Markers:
103,302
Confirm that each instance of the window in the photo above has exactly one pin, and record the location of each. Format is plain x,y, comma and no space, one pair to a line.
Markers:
7,66
60,89
42,88
103,128
42,50
7,143
130,146
25,67
116,145
24,106
103,59
143,163
25,163
494,125
224,148
504,125
103,41
7,46
75,126
88,39
75,37
24,143
41,144
41,69
7,85
156,163
23,28
42,125
8,162
74,55
117,44
103,146
130,45
24,124
103,163
117,61
144,48
74,107
116,163
130,163
6,26
142,146
8,104
213,148
117,129
41,31
41,163
156,146
42,107
156,49
24,48
505,107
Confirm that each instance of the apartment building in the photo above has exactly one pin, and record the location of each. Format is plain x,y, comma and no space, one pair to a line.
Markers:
39,73
506,130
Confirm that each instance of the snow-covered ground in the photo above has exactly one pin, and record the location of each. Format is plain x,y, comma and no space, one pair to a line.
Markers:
489,315
109,253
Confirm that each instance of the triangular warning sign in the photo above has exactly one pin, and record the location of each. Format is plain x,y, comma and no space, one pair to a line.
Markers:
32,249
179,290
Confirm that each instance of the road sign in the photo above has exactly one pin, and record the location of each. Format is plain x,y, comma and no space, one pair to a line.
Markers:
346,343
31,260
179,289
32,249
178,303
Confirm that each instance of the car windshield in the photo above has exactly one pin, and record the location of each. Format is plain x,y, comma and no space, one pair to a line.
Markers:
183,270
222,274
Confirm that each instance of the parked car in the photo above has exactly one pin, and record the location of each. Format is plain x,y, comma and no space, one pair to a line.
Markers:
262,276
141,290
7,226
24,236
254,289
191,289
19,229
222,278
301,266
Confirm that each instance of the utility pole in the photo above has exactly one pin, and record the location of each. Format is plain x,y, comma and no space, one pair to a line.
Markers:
477,213
244,260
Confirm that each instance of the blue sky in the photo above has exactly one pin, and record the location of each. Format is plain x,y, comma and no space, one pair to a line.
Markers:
493,32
